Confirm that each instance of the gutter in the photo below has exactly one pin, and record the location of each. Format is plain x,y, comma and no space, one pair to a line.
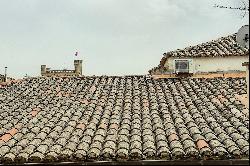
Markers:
146,162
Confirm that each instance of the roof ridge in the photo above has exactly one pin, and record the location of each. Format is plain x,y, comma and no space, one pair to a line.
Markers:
204,43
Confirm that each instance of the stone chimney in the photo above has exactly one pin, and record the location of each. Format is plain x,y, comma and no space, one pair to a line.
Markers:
247,78
43,70
78,67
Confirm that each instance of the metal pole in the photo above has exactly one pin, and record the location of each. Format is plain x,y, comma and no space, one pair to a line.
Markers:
5,74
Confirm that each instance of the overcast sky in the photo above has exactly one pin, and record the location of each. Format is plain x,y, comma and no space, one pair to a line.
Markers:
113,37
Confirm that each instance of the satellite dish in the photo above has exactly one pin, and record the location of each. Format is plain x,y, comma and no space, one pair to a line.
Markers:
242,37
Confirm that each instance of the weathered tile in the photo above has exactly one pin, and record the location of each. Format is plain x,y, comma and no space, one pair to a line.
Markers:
125,118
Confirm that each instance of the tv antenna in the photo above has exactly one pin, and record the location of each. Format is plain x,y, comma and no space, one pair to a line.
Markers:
242,36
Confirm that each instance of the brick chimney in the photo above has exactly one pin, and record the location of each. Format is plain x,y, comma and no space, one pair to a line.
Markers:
247,78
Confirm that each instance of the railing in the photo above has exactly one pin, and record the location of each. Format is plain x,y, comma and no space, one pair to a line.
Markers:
61,71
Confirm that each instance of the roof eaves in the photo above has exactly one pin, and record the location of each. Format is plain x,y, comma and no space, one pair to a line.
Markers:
152,162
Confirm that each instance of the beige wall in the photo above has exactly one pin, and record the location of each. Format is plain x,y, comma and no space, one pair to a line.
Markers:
213,64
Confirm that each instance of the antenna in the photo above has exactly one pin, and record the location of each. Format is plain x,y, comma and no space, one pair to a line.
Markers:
242,37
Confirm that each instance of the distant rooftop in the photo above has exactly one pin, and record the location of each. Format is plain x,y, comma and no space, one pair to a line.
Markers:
222,47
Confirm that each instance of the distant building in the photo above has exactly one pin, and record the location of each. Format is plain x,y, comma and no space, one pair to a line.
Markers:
47,72
219,56
8,79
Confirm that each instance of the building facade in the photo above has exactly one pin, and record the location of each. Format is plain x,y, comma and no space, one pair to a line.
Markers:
47,72
221,55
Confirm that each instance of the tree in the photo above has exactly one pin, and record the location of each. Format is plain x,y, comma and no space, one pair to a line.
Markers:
243,7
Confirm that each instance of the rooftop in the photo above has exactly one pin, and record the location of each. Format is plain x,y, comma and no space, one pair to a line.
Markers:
117,119
222,47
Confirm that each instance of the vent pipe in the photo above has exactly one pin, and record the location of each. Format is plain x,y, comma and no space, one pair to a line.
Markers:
5,74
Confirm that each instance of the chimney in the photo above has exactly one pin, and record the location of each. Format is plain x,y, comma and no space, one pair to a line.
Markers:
247,78
78,67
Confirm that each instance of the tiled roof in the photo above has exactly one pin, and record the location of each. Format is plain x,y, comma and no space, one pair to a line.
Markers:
123,119
222,47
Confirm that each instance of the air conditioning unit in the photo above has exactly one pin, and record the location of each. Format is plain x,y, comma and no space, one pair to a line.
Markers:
183,66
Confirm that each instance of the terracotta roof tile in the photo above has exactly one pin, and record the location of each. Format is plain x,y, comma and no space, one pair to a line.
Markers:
12,132
6,137
124,119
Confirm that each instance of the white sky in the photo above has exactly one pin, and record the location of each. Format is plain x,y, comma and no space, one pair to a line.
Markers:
113,37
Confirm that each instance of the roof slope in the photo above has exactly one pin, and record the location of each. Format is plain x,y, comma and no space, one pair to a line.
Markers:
123,118
222,47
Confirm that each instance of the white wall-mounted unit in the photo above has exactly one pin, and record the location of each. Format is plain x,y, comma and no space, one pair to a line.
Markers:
183,66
